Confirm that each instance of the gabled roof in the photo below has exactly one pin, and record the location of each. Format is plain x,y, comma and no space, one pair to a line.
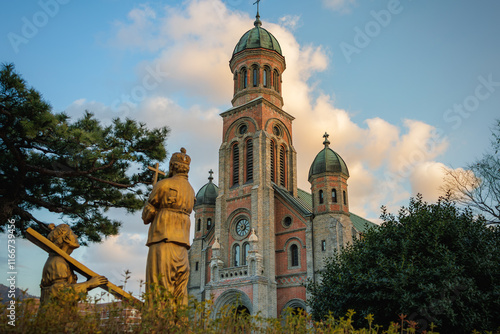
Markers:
304,199
361,224
296,203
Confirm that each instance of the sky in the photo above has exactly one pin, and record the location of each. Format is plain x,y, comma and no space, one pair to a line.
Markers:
406,89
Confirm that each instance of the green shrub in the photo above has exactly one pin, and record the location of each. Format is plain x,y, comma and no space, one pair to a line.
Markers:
434,262
64,316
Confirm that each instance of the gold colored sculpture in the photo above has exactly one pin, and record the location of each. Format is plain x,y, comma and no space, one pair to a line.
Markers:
57,274
169,206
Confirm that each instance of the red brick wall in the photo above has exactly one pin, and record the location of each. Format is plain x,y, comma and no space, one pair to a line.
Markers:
296,230
285,294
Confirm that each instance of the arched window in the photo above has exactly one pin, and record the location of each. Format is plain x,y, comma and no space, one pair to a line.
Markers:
198,226
255,76
334,195
235,81
276,82
244,79
282,166
249,160
273,161
321,199
246,248
345,197
294,254
209,224
236,164
236,255
266,76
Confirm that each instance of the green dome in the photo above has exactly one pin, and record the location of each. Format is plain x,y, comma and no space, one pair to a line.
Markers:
208,193
328,160
257,37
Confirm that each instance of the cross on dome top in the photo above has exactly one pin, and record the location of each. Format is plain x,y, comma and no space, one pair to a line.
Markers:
210,178
326,142
257,22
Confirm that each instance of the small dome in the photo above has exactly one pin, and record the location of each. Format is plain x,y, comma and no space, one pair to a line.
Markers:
327,160
257,37
208,193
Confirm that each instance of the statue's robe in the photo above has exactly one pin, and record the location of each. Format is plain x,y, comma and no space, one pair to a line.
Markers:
57,276
169,206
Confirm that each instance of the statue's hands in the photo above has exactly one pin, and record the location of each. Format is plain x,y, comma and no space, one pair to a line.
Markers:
96,281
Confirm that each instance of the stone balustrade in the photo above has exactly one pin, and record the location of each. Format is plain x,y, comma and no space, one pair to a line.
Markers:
233,272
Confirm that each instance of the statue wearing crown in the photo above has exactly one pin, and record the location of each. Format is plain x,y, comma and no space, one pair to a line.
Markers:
167,211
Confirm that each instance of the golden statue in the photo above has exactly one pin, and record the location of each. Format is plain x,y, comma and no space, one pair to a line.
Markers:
169,206
57,274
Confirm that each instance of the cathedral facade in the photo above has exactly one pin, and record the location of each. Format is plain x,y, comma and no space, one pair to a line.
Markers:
258,238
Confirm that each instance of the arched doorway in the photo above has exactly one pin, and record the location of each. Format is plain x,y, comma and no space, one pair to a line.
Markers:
296,306
233,297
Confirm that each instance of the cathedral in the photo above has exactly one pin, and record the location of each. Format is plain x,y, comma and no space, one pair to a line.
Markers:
257,237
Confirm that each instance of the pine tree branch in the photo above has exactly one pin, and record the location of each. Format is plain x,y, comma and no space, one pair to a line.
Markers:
49,206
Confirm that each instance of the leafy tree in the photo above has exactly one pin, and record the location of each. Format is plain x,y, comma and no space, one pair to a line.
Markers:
433,263
78,170
479,184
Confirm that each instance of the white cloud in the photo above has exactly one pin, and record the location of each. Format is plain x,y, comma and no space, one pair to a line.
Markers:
291,22
126,251
140,32
427,179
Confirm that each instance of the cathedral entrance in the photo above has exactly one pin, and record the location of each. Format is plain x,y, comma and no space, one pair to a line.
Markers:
297,306
233,298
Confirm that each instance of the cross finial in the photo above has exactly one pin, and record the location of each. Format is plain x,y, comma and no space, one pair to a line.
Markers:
326,142
157,171
210,178
257,22
257,2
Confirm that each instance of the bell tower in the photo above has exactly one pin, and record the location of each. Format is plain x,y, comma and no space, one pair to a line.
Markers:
332,226
256,155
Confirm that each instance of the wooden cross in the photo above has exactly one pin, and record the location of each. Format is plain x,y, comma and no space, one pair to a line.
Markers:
50,247
157,171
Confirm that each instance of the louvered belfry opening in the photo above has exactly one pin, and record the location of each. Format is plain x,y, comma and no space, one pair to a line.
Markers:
282,167
249,160
236,164
273,160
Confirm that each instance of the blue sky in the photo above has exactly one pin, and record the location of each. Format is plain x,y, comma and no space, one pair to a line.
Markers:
405,88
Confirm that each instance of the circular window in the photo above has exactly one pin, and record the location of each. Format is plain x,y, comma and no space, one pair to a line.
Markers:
242,227
243,129
287,222
277,130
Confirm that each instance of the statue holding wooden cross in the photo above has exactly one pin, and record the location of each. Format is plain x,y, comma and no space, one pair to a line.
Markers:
58,272
168,208
57,275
